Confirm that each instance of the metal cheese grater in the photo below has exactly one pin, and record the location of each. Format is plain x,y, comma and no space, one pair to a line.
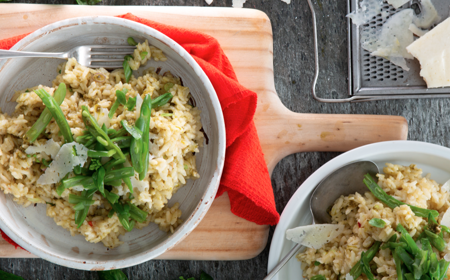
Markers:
375,78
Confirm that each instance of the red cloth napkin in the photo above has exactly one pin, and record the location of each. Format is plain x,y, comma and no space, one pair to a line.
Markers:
245,175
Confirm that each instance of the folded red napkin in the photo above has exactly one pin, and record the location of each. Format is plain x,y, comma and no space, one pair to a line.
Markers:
245,176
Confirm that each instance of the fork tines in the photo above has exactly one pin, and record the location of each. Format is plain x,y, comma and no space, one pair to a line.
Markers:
108,56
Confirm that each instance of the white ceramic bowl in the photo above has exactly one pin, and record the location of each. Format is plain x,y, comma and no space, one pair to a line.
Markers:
430,158
37,233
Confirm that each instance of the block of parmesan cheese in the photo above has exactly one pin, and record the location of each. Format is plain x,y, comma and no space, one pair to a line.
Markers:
433,52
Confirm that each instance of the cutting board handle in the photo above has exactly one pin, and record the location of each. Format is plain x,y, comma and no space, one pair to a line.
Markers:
286,132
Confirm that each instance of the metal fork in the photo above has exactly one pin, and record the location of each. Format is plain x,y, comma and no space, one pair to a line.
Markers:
94,56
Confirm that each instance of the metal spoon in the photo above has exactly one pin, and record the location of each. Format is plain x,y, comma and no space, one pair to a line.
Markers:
344,181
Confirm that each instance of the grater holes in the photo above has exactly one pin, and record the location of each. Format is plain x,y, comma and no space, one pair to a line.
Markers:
376,68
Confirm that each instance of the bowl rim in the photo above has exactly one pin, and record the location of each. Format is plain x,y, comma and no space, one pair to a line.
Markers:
208,196
304,191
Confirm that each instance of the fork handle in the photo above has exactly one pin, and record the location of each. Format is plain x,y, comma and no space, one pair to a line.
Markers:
17,54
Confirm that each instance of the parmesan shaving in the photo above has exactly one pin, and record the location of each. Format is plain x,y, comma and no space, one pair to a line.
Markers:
348,277
445,221
238,3
397,3
368,9
139,101
209,2
64,163
51,148
391,41
433,52
314,236
102,117
446,186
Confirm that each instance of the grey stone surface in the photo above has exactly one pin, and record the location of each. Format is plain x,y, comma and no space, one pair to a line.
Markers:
293,61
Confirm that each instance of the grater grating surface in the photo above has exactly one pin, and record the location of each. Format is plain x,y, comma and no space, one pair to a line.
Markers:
371,75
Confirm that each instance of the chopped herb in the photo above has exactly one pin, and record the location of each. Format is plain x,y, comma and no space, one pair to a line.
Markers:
318,277
143,55
379,223
168,86
316,263
95,164
127,69
166,114
130,196
45,162
186,167
49,203
131,41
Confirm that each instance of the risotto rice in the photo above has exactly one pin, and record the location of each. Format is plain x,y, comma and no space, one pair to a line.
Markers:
405,183
175,137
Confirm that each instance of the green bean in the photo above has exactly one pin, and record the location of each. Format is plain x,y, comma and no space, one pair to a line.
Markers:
379,193
411,243
356,270
137,214
96,131
131,103
435,240
98,154
120,99
127,69
427,247
111,197
46,116
443,267
120,132
409,276
110,164
405,257
136,148
123,213
318,277
57,114
365,267
434,267
398,266
86,199
100,180
134,131
146,110
88,182
161,100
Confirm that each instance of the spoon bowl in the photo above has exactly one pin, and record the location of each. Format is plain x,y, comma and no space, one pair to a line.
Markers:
343,181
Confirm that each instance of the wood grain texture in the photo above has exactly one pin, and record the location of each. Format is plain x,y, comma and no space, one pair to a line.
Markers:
246,37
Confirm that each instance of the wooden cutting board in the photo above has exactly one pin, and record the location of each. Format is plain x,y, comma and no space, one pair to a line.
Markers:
246,37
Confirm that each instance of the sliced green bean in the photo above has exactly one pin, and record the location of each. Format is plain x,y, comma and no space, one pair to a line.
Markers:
435,240
356,270
99,154
379,193
96,131
131,41
120,99
57,114
46,116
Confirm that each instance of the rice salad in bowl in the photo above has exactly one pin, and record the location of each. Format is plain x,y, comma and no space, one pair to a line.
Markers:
105,151
398,229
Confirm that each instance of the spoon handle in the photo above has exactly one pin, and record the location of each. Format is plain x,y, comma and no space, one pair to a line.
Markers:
289,255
